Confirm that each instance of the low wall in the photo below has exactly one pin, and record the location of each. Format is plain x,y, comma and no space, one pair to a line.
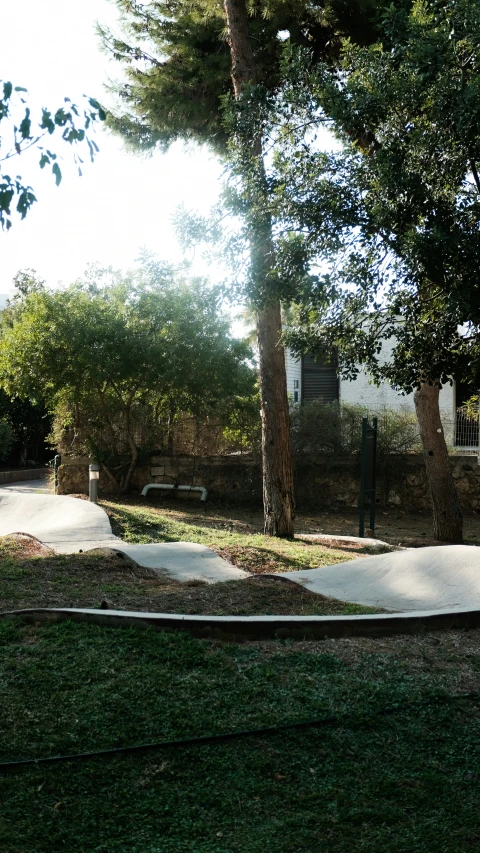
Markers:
21,476
323,482
227,478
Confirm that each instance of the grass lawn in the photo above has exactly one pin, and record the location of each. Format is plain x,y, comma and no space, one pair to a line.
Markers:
402,783
393,525
31,576
406,782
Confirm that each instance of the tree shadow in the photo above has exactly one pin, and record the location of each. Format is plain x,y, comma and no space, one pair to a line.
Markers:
122,519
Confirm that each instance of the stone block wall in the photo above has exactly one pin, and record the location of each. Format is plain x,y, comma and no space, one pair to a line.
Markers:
322,482
22,476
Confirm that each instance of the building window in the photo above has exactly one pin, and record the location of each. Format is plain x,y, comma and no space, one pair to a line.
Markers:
319,378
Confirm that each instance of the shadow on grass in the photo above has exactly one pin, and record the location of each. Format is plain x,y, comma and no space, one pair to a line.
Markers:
245,550
258,559
130,526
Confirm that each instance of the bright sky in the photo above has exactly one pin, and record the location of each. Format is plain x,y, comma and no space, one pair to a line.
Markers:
122,202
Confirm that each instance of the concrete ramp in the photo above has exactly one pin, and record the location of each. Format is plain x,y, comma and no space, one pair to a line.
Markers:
183,561
67,526
64,524
413,579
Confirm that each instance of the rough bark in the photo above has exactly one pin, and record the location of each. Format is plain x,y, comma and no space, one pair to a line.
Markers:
133,452
278,495
278,499
447,512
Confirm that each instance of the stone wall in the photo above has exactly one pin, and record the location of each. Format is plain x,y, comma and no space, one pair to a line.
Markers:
24,475
320,483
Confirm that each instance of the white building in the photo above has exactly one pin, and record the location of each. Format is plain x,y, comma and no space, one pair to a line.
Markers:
308,379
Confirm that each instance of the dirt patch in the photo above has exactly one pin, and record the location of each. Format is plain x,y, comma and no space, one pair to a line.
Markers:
23,547
31,576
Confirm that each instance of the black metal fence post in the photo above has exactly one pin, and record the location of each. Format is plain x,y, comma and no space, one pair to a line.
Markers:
56,465
368,472
363,467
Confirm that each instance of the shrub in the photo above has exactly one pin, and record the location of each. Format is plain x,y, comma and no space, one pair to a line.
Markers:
318,427
6,440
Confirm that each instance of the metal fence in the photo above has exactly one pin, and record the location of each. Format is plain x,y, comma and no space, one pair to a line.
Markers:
465,432
211,436
317,428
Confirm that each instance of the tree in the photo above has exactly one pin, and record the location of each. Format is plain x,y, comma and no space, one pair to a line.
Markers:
110,359
30,424
178,70
278,495
24,133
396,216
29,420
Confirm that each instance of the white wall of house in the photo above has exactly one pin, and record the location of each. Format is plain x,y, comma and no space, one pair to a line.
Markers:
293,368
362,392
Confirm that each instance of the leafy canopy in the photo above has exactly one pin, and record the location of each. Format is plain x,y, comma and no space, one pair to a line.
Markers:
142,334
391,222
113,354
177,65
23,131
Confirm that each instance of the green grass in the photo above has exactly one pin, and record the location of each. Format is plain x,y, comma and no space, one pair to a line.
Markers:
28,580
252,551
406,783
87,580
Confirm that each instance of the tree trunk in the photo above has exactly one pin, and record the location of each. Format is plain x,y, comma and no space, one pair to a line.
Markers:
278,496
133,453
278,500
171,428
447,512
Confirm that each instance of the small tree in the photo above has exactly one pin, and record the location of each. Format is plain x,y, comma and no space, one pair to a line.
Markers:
6,440
108,358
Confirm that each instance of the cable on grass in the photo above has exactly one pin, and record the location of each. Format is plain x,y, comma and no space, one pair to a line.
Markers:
204,740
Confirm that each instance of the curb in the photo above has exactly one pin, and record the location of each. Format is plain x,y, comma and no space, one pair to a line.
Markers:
377,544
241,628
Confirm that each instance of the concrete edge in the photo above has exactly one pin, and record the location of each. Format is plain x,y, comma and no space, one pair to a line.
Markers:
24,475
241,628
356,540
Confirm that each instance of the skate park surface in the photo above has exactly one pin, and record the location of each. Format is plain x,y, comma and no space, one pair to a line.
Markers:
413,579
67,526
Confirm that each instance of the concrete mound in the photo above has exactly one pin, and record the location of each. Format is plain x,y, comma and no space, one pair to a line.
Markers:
413,579
68,526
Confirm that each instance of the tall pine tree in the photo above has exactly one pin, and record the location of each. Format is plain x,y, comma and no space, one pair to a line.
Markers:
181,59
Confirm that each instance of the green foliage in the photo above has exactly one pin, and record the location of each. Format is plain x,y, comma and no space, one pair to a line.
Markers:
472,407
177,63
6,439
243,428
391,221
111,358
69,121
30,424
318,428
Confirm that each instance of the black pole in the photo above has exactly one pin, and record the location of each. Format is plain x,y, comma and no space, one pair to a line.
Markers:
363,473
373,494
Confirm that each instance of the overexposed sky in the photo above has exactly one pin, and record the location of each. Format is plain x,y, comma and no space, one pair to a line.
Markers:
122,202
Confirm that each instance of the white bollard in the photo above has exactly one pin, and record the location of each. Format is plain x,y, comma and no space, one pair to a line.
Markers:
93,478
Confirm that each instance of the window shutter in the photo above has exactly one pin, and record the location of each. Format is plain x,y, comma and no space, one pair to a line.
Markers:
319,379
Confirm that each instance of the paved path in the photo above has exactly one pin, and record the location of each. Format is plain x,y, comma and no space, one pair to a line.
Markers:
39,487
413,579
67,526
